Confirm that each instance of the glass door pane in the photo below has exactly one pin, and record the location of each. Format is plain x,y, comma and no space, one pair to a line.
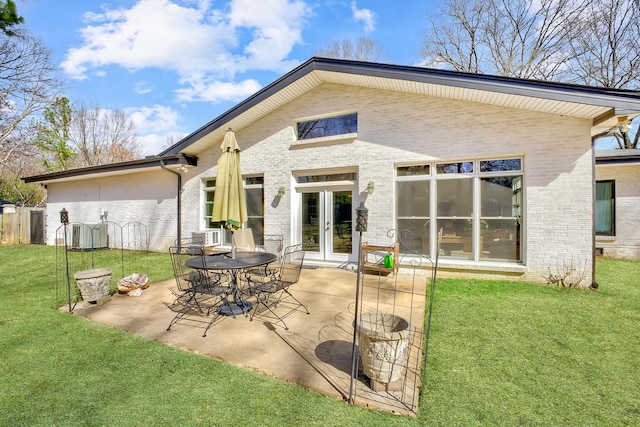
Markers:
311,221
342,213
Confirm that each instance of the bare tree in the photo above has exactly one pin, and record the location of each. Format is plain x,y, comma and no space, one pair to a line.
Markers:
607,38
28,83
525,39
102,136
364,50
456,36
592,42
606,41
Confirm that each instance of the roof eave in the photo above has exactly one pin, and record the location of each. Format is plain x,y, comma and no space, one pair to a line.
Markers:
119,168
620,102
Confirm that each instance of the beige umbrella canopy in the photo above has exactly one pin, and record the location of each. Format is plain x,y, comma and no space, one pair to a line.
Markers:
229,203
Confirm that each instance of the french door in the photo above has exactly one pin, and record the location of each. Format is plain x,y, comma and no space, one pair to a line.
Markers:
327,223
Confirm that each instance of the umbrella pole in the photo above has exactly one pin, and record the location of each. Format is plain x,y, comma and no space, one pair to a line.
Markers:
233,244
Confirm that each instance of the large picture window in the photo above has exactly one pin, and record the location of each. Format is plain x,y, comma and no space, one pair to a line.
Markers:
476,203
605,208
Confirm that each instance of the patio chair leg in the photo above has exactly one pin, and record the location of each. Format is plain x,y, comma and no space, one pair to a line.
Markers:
298,301
180,314
215,317
264,303
193,299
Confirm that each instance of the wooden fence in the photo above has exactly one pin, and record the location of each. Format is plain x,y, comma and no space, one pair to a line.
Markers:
21,225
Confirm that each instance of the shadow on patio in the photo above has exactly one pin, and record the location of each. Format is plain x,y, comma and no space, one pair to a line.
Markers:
316,350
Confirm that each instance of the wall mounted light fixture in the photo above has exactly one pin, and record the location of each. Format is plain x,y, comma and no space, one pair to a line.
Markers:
369,189
281,191
183,169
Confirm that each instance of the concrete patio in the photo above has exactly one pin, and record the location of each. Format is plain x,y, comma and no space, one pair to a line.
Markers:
315,352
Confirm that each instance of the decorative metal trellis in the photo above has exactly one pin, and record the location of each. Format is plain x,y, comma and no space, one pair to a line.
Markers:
390,306
107,244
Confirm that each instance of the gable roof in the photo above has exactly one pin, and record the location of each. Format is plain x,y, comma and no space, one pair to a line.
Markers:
599,105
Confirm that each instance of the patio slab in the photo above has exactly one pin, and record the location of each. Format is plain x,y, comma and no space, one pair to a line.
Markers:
316,350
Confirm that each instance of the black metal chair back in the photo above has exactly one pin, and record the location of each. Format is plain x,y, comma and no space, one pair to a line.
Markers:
291,265
188,281
189,241
273,243
270,293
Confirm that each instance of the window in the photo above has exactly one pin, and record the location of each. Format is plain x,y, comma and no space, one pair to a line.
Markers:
501,200
328,126
413,207
476,203
348,176
605,208
209,189
254,196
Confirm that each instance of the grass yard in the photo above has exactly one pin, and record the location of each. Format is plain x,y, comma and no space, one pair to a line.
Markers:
501,353
506,353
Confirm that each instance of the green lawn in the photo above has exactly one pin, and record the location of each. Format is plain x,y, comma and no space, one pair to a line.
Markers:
501,353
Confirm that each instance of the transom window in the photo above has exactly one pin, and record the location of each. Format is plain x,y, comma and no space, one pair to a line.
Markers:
476,203
327,126
303,179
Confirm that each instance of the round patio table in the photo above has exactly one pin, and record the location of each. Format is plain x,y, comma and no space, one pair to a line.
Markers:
224,262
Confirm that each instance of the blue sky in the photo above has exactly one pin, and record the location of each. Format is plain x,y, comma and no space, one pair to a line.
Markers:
174,65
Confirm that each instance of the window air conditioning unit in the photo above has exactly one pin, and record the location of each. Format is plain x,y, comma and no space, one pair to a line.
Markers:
209,237
85,237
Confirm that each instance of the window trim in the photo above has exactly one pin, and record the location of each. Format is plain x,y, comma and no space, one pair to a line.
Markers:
205,220
477,175
611,233
338,137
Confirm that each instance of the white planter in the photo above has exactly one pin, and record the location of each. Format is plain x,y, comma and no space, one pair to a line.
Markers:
384,346
93,284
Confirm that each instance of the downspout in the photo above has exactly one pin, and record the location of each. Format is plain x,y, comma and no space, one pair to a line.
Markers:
594,283
178,199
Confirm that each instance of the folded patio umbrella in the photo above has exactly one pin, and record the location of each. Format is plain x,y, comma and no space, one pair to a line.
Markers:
229,203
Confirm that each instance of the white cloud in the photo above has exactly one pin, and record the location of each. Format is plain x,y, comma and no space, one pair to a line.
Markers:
275,25
216,92
205,46
364,15
143,87
153,126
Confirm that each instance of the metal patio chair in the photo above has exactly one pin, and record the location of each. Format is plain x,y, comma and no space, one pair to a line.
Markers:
271,243
273,290
189,241
191,284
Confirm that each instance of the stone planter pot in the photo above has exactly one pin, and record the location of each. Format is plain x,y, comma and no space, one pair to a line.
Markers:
384,346
93,284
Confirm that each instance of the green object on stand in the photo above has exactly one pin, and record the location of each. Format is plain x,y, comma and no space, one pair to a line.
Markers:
388,260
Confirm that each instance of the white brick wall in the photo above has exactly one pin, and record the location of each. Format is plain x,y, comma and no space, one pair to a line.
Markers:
392,128
626,242
147,197
397,127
